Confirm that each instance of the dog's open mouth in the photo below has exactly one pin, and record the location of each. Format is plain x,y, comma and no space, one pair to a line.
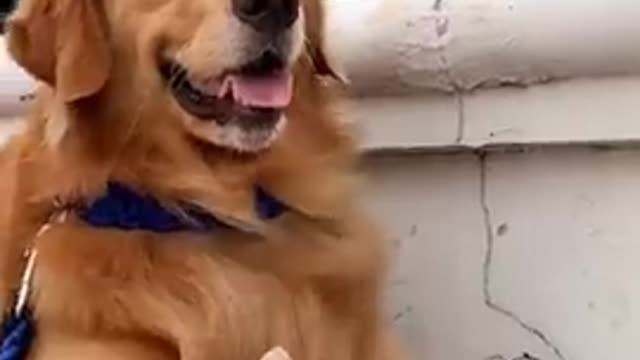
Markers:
252,96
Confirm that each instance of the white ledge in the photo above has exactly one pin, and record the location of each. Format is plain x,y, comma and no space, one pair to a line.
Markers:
457,45
577,112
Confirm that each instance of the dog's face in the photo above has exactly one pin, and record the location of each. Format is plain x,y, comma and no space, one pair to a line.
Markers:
232,75
224,69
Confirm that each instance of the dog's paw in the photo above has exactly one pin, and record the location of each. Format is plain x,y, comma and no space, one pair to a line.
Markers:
276,353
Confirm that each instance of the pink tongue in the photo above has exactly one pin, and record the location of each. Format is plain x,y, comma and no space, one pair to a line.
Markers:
273,91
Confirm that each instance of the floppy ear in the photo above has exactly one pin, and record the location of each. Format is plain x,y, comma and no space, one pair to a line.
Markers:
314,28
63,43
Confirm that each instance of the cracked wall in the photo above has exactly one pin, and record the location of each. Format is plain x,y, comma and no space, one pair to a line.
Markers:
491,232
514,256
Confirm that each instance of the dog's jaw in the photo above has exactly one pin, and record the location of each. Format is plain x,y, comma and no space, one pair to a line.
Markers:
233,137
242,122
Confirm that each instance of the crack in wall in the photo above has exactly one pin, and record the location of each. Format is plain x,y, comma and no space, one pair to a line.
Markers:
442,30
489,301
524,356
462,123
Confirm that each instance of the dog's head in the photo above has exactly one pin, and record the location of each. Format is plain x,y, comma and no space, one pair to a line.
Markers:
223,69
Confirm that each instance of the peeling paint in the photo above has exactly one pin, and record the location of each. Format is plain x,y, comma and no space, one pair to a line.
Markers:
425,39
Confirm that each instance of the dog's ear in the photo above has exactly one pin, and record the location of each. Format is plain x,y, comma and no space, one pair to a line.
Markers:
63,43
314,29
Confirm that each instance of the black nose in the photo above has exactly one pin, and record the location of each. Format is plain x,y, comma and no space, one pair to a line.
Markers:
267,15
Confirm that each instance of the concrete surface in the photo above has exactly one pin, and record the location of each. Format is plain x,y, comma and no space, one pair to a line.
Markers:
506,256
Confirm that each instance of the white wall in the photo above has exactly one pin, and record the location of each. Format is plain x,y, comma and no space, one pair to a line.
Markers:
514,253
504,137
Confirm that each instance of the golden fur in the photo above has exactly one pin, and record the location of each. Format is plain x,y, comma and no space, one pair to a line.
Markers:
309,281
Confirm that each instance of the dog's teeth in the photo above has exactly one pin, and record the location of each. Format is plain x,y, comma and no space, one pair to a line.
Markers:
236,97
224,89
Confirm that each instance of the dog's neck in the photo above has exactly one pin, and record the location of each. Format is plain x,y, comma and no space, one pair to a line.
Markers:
100,146
105,140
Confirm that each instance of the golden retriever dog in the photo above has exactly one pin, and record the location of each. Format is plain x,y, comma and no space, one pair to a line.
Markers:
195,102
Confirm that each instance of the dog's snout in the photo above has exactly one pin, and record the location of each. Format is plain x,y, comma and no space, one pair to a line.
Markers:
267,15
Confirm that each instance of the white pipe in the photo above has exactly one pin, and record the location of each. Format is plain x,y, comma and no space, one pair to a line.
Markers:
444,45
416,45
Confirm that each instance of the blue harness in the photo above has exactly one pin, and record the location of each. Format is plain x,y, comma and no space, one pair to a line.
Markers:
122,208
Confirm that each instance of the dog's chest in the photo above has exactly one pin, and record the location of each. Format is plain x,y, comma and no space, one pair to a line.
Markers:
98,284
53,344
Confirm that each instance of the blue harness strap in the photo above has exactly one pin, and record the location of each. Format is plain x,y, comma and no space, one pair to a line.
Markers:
17,335
122,208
